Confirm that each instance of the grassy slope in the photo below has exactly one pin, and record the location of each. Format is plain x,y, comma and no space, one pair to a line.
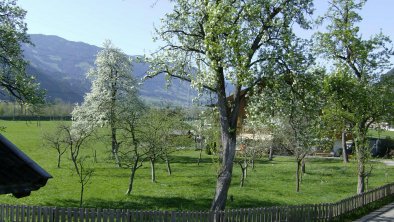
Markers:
191,187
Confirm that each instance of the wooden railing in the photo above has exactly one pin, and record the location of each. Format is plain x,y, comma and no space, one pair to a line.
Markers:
316,212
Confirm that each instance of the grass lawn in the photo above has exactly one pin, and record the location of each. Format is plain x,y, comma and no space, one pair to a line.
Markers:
190,187
382,134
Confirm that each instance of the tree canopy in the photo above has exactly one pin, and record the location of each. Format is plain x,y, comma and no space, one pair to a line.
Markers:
13,78
112,89
354,92
215,43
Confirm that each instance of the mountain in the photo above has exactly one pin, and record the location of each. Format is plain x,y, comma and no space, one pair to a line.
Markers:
60,67
390,73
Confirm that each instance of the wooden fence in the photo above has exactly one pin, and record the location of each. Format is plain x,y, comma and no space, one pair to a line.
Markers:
316,212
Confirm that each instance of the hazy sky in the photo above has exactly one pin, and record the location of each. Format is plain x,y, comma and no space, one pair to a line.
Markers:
129,23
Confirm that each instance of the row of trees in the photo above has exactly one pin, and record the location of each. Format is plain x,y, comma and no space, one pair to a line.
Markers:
249,44
55,110
252,46
137,133
148,136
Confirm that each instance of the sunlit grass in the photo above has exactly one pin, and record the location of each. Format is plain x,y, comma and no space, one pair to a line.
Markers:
381,134
191,186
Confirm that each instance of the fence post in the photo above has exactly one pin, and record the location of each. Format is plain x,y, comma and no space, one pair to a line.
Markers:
315,212
55,215
173,216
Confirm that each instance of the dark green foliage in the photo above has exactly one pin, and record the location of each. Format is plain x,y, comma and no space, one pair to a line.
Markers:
211,148
13,78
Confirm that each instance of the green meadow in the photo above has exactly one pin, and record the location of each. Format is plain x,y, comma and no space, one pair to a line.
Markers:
190,187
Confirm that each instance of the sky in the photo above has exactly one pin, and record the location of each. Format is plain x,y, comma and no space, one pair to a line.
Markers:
129,24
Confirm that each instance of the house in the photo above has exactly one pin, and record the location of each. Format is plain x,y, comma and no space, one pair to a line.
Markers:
19,175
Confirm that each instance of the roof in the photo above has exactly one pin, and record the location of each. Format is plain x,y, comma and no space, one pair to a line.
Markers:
19,174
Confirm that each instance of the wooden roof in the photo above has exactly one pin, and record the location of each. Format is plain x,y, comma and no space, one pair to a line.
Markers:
19,174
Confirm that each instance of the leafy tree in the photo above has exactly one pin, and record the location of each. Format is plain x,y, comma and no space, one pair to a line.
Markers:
356,95
236,42
13,78
208,132
112,83
161,133
335,125
249,150
293,113
132,154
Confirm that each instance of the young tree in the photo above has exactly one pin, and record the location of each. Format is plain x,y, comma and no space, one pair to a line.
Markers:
249,150
55,140
131,155
243,162
160,134
13,78
236,42
335,125
208,132
355,93
360,104
295,103
111,84
74,138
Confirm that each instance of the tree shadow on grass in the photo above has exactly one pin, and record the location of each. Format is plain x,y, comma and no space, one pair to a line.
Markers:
323,160
330,171
265,161
190,160
239,203
138,203
159,203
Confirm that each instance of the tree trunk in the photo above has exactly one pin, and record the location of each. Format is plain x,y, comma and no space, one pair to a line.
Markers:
81,196
199,158
228,118
242,175
271,153
303,166
153,172
74,160
344,154
133,170
246,168
115,146
362,157
361,178
224,178
360,169
366,182
168,166
95,156
298,176
58,160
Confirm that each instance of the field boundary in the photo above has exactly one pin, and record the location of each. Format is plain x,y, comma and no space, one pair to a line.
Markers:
312,212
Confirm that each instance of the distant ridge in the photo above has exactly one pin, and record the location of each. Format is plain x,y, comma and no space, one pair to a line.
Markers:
391,72
60,66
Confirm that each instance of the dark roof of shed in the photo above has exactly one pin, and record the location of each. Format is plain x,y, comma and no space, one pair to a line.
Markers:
19,174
